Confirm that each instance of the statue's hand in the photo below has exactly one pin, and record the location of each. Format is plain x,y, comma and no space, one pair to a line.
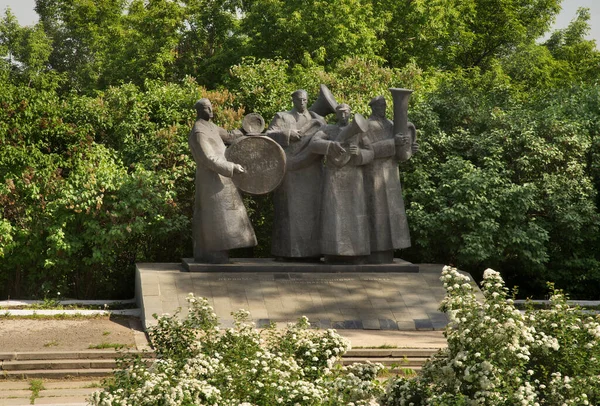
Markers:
238,168
402,139
295,135
336,149
354,150
414,148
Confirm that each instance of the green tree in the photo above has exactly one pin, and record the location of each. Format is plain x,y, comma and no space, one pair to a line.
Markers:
532,67
323,32
571,47
143,46
503,182
210,41
10,33
466,34
27,51
80,33
34,53
91,185
567,57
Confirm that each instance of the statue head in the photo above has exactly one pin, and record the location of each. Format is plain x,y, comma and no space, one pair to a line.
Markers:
204,109
300,100
342,113
378,106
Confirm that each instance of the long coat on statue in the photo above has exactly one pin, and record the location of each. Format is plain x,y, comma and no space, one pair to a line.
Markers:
387,217
220,219
297,201
344,220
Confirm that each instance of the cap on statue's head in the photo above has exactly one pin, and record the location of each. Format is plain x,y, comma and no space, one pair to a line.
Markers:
377,101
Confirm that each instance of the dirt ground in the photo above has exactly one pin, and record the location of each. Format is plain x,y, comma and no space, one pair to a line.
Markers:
17,335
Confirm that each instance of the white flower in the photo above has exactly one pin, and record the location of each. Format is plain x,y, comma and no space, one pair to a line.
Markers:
490,273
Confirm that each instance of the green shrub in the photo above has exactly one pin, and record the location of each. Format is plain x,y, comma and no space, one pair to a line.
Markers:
91,185
497,355
198,363
504,183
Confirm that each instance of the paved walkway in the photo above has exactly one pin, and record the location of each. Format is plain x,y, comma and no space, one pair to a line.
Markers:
344,301
62,392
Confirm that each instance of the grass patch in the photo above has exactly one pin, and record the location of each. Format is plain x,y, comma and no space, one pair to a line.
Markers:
379,347
46,304
395,371
52,304
52,343
35,386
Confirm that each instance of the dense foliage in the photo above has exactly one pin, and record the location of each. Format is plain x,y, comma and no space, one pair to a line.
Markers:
496,356
93,184
198,364
96,103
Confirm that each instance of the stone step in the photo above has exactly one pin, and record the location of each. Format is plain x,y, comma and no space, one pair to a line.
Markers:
56,373
56,366
63,364
111,354
391,352
84,354
60,400
14,393
63,401
101,363
12,388
31,365
399,362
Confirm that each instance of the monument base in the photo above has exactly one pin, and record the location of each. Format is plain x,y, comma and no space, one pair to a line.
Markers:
271,265
350,300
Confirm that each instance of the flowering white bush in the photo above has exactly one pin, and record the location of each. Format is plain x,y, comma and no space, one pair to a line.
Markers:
497,355
200,365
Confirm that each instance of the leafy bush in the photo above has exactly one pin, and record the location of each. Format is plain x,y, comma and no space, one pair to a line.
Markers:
506,183
199,364
265,86
91,185
497,355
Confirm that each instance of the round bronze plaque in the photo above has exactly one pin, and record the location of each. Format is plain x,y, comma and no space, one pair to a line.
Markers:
263,160
253,123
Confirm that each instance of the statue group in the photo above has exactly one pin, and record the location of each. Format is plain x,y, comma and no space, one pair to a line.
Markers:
339,197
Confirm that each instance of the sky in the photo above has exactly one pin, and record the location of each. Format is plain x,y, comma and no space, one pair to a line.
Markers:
24,11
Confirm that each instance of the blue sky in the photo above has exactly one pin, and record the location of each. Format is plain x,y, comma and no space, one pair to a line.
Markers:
23,9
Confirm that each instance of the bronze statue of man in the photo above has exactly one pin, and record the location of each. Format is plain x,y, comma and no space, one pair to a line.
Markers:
385,204
344,223
220,220
297,201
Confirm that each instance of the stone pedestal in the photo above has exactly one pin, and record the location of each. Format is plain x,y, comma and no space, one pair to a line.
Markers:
271,265
359,300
